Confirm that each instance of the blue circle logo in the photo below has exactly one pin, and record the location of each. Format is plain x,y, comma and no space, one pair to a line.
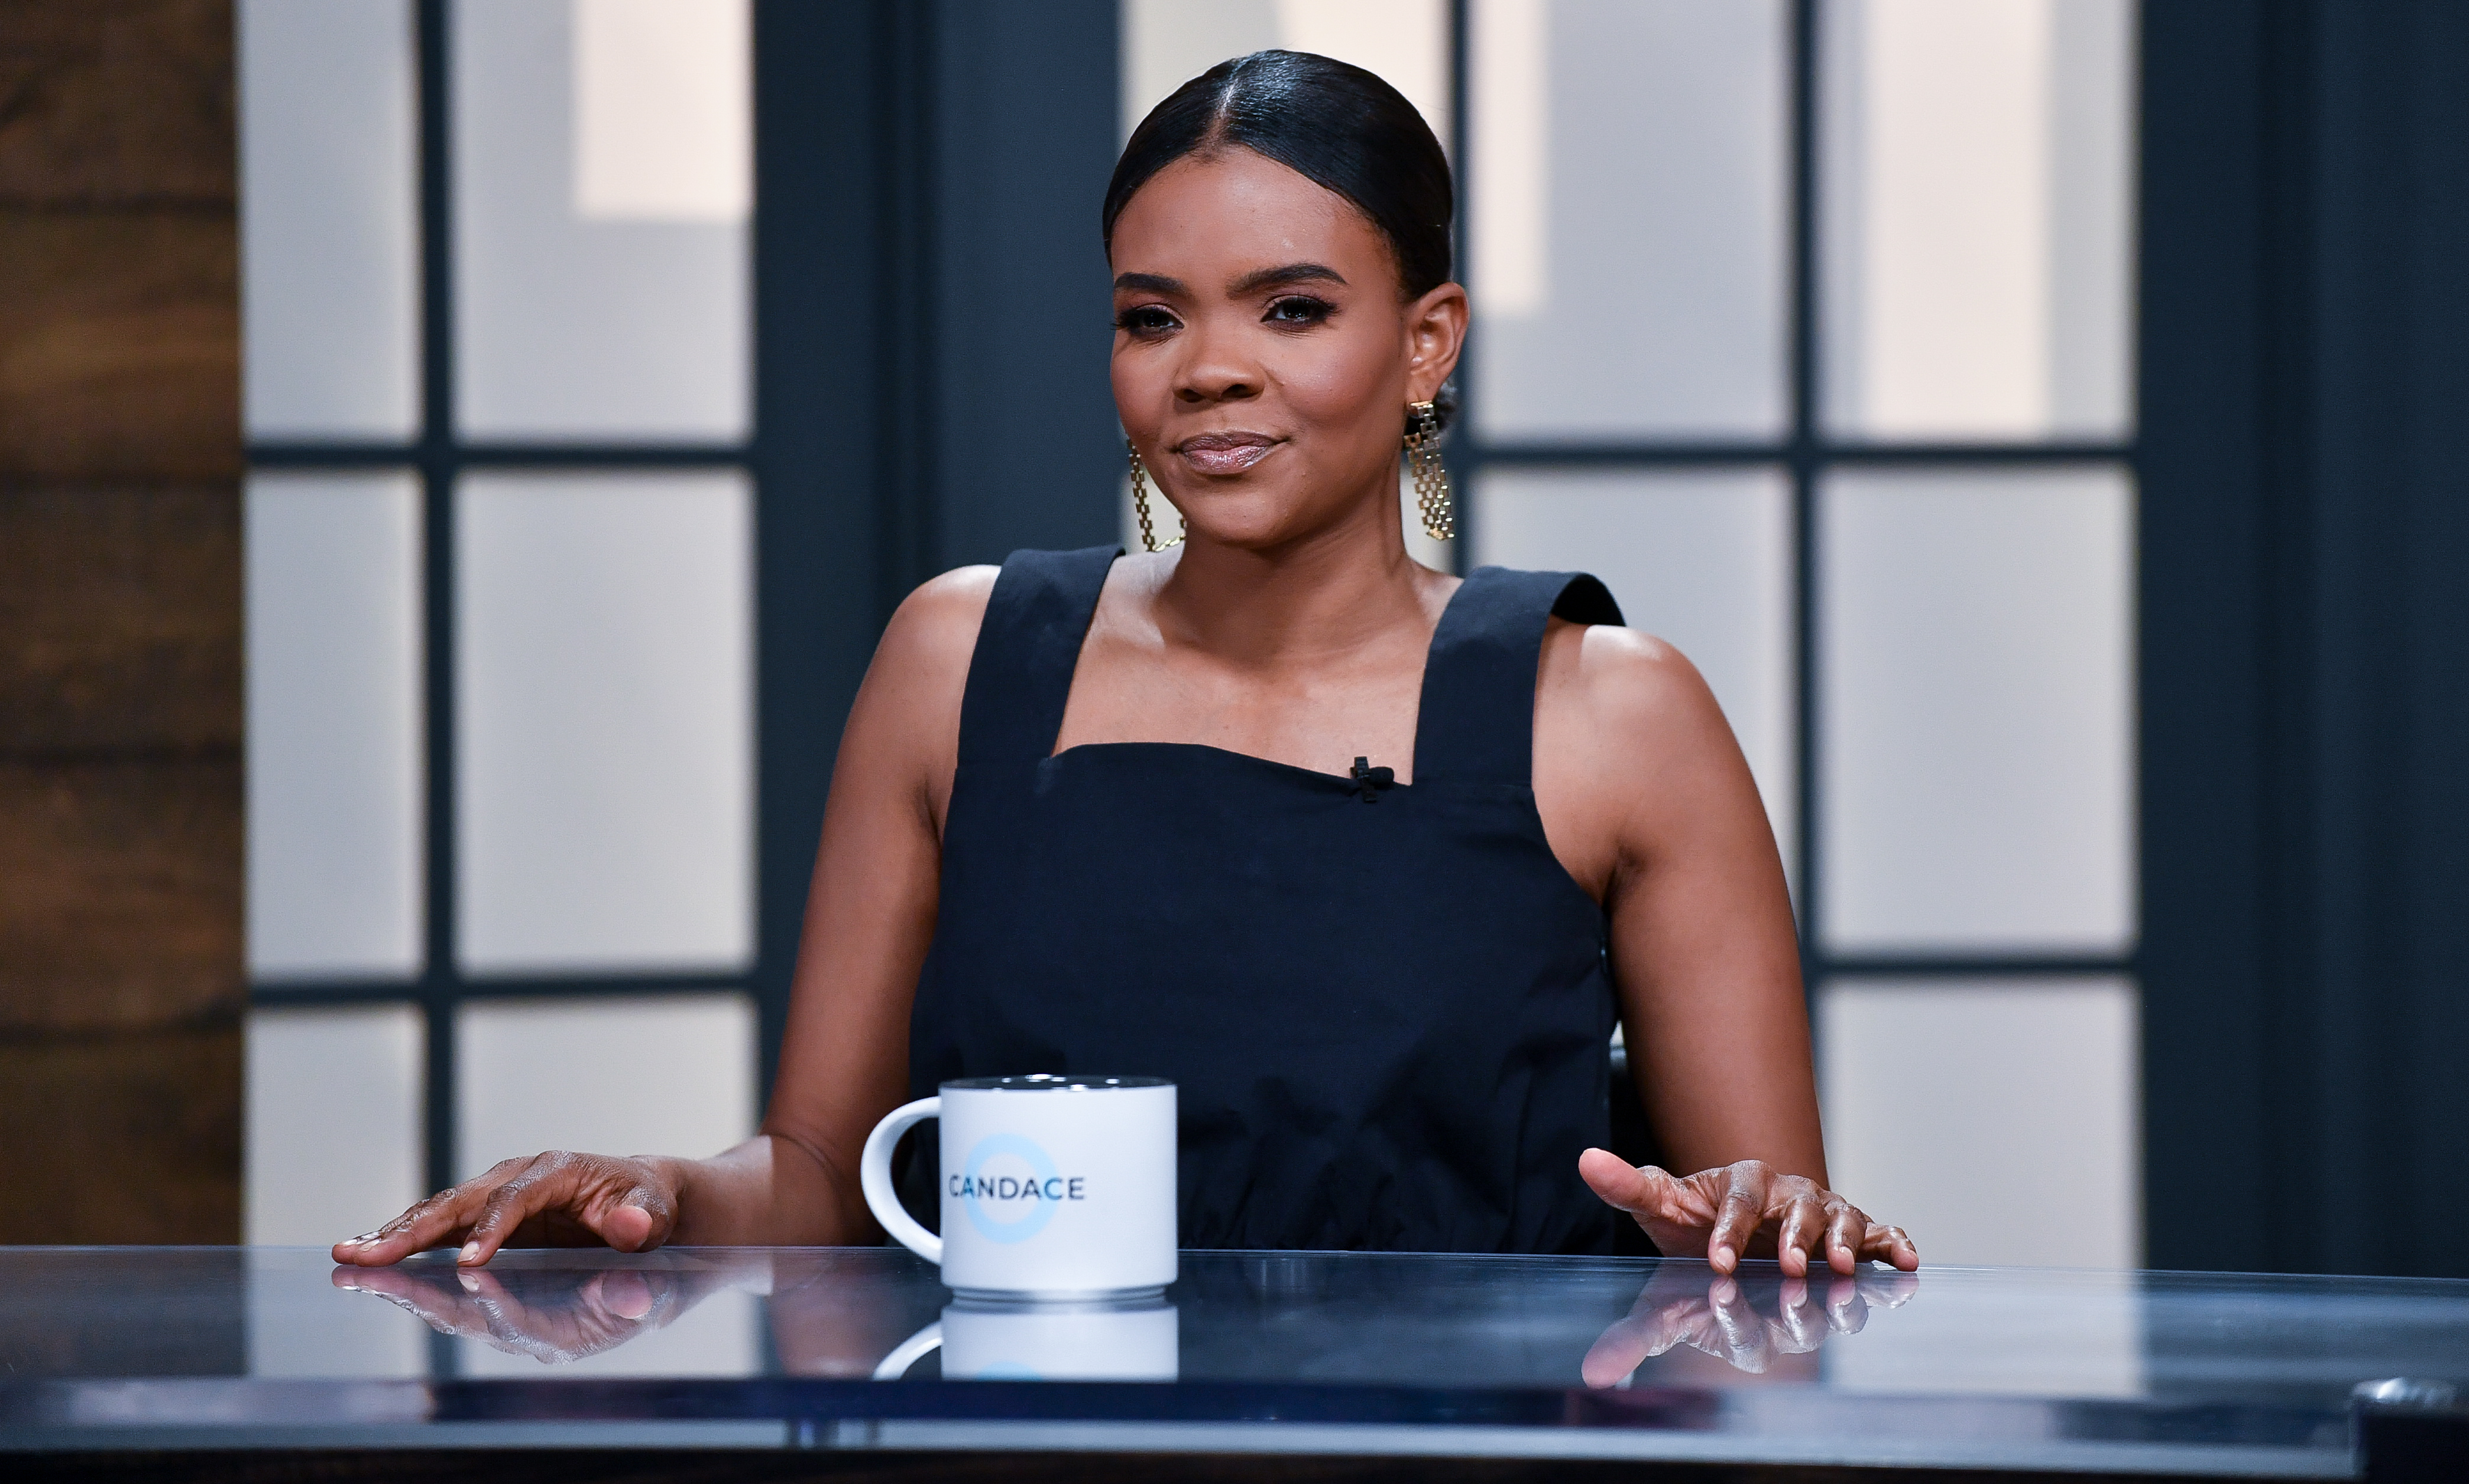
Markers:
992,1199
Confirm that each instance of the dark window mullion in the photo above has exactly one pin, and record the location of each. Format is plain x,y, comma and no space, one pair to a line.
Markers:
436,463
1463,455
437,471
455,457
1817,451
338,455
606,455
511,986
1977,964
1806,453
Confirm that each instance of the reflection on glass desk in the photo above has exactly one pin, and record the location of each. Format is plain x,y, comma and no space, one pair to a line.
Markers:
1322,1352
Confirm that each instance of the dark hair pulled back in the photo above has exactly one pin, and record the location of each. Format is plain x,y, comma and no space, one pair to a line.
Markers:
1337,126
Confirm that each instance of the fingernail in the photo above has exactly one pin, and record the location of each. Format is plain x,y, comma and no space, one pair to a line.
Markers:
471,1284
471,1253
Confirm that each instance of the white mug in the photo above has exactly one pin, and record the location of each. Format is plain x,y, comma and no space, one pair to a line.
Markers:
1027,1342
1052,1187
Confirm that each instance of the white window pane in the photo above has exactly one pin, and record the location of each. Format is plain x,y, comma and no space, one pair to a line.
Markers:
1976,710
1996,1122
2092,70
604,721
1628,170
335,1111
301,1325
1405,41
650,1074
1982,1335
1977,184
566,1075
1700,558
691,1331
330,217
1166,43
602,184
334,719
662,122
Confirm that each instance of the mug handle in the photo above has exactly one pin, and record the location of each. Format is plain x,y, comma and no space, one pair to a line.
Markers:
874,1178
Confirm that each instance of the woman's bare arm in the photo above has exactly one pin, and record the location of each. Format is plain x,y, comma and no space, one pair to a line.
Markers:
1645,797
843,1063
869,919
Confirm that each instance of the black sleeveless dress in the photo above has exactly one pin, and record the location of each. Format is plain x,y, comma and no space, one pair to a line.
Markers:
1385,1008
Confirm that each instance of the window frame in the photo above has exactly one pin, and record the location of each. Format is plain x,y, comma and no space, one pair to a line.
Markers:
1806,452
439,457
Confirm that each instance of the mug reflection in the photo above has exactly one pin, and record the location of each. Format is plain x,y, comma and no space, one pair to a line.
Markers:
1028,1340
1757,1321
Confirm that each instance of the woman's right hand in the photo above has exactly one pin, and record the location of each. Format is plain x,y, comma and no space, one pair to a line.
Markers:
555,1199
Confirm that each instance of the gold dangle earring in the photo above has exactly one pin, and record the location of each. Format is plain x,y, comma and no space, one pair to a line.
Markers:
1431,477
1140,500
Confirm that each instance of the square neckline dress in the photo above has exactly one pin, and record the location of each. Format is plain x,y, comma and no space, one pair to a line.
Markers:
1385,1008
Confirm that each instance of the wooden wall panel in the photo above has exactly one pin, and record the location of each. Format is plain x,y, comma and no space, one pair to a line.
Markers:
124,908
119,344
122,975
123,611
107,101
131,1137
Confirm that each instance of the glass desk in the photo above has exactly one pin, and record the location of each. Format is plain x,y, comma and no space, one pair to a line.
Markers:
1331,1354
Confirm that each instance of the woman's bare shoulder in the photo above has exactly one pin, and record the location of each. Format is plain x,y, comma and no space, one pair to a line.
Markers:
932,633
1629,744
903,739
910,700
1615,715
1631,689
937,626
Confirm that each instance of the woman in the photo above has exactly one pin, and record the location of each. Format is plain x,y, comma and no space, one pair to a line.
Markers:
1365,858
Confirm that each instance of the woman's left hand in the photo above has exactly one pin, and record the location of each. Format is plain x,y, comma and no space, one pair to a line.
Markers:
1745,1209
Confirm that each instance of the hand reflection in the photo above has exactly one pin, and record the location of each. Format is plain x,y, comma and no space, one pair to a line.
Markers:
552,1316
1747,1319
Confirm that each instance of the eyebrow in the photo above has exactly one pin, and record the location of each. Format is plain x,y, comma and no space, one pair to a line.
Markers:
1249,284
1279,277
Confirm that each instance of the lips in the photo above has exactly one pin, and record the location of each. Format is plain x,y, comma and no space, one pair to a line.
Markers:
1225,452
